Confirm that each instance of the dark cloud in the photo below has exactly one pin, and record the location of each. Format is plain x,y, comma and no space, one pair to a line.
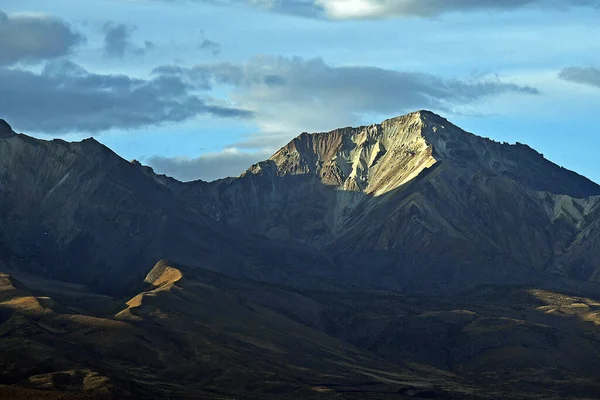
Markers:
65,97
32,38
231,162
117,41
583,75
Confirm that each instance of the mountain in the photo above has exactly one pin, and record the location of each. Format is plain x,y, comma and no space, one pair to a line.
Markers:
407,259
414,184
78,212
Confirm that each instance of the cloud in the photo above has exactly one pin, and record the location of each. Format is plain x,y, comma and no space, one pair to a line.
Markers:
148,45
208,167
294,94
306,8
117,41
33,38
375,9
582,75
347,9
209,45
65,97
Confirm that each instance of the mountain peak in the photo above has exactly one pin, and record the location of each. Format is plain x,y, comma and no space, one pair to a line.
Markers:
378,158
423,116
370,159
5,129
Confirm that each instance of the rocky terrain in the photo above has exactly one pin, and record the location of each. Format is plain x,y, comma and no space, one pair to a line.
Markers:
407,259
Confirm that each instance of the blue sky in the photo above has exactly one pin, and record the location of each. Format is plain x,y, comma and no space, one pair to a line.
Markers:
203,89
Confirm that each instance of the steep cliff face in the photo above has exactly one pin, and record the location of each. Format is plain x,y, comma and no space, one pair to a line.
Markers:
372,160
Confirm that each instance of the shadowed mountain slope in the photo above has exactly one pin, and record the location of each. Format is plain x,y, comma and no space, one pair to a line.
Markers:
78,212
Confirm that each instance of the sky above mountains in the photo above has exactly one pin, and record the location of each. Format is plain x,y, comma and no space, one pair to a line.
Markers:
204,88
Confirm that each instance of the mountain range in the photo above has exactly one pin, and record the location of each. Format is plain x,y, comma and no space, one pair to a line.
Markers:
407,259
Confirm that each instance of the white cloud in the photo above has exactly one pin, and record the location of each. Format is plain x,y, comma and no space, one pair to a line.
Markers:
347,9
